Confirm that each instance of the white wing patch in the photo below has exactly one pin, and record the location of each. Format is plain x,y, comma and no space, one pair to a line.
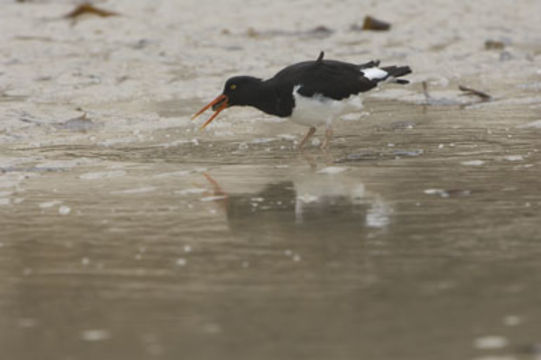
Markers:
374,73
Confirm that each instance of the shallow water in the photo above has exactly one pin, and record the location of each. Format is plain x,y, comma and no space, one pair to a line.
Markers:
126,233
214,252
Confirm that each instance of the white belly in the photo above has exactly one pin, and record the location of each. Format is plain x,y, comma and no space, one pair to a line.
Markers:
319,110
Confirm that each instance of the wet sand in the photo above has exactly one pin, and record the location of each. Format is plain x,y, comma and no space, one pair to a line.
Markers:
128,234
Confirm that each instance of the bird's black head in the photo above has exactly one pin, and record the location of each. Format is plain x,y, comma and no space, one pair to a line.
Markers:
238,90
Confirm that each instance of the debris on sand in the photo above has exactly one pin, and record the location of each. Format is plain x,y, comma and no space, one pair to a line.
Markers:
89,9
454,99
494,45
251,32
425,91
320,31
470,91
359,156
373,24
79,123
444,193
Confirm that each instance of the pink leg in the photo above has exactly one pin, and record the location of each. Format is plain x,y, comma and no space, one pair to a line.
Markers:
307,136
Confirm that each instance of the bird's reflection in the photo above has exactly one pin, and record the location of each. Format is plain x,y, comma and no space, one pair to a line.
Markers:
315,201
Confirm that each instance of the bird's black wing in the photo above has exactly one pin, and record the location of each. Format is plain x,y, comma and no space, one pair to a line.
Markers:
333,79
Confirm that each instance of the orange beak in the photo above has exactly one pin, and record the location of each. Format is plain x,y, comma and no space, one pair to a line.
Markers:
218,104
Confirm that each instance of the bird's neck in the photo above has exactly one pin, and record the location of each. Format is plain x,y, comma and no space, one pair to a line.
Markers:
269,99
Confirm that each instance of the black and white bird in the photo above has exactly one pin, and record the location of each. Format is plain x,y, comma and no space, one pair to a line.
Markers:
310,93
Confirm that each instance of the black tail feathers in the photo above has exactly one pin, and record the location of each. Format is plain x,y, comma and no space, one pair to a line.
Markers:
397,71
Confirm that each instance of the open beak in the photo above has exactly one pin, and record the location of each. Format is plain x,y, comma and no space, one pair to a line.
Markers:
218,104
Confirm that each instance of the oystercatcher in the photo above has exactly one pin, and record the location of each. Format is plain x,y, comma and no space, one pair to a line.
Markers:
310,93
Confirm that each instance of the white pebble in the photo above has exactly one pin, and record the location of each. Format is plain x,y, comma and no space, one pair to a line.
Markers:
490,342
95,335
514,158
473,163
439,192
64,210
307,198
332,170
181,261
187,248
